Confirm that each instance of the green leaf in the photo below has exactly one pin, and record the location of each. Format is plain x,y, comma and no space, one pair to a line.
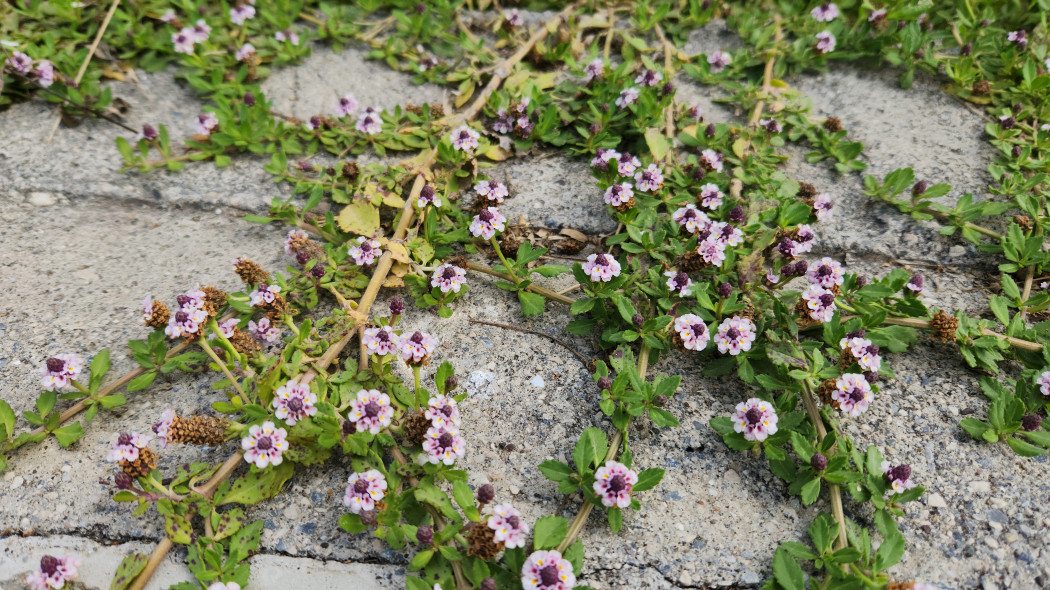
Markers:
615,516
465,498
68,435
1025,449
820,533
662,417
975,427
7,421
555,470
531,303
112,401
351,523
421,560
429,494
128,569
178,529
441,377
1039,437
46,402
657,142
142,381
648,479
810,491
890,552
256,486
1010,287
549,531
786,570
590,449
1000,307
99,368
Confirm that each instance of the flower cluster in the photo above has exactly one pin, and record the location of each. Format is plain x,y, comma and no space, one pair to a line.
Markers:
508,526
264,444
516,119
264,331
443,444
755,419
827,273
186,38
487,223
53,572
43,73
381,340
370,122
735,335
1044,383
601,267
547,570
679,283
691,332
294,401
613,483
898,477
442,411
852,393
127,446
491,191
371,411
364,490
365,252
346,105
264,294
186,322
427,196
819,303
861,350
59,371
691,219
448,277
417,348
465,139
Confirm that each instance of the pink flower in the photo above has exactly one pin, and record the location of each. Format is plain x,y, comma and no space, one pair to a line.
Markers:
853,393
20,62
693,331
627,164
719,60
756,419
442,411
45,73
735,335
827,273
825,12
603,157
822,206
364,490
465,139
371,411
264,444
513,17
508,525
627,97
491,190
346,105
649,78
206,123
915,284
487,222
226,586
442,444
163,428
245,52
613,483
679,283
264,331
185,322
594,69
876,14
183,41
712,251
899,477
1044,383
820,303
417,348
448,277
1018,37
126,447
381,340
619,194
241,13
547,570
649,180
771,125
294,401
200,31
427,196
365,252
712,160
59,371
691,219
806,239
725,234
601,267
264,294
370,122
710,196
825,42
53,572
168,16
287,35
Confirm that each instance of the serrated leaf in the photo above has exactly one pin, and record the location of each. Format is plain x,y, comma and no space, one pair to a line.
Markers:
549,531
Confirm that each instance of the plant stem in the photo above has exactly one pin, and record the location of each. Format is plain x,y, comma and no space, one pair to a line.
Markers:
925,325
415,375
552,295
499,252
1029,275
222,365
767,75
834,491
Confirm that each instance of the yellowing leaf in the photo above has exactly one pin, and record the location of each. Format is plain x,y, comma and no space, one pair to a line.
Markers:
739,146
657,143
466,90
778,83
112,73
359,217
497,154
398,252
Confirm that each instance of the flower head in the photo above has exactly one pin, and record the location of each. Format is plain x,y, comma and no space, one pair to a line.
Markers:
346,105
594,69
771,125
755,419
417,348
735,335
679,282
627,97
126,447
691,219
183,41
364,490
1018,37
508,526
649,78
443,444
487,222
513,17
442,411
264,444
649,180
915,284
490,190
601,267
619,194
692,331
245,52
287,35
819,303
206,123
627,164
825,42
711,250
241,13
163,428
45,73
825,12
603,157
899,476
448,277
547,570
718,61
877,14
370,122
53,572
58,372
853,393
264,331
264,294
365,252
371,411
827,273
711,196
294,401
712,160
381,340
822,206
725,234
226,586
20,62
613,483
200,31
465,139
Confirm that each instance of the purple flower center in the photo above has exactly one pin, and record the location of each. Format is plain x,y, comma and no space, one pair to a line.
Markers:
181,316
181,38
417,338
689,215
601,260
383,336
485,216
361,486
703,234
514,522
727,231
754,416
856,334
549,575
264,443
446,411
827,299
856,394
445,440
55,365
315,121
124,439
699,329
872,350
366,246
823,271
732,333
901,472
295,405
681,280
464,135
617,484
182,300
49,565
371,410
449,273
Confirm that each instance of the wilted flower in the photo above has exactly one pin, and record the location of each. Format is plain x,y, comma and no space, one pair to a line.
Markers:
825,42
365,252
371,411
206,123
820,303
627,97
346,105
619,194
364,490
735,335
755,419
825,12
126,447
448,277
547,570
899,477
417,348
719,60
613,483
692,331
679,282
264,444
294,401
827,273
602,267
442,444
59,371
508,526
487,222
53,572
853,393
465,139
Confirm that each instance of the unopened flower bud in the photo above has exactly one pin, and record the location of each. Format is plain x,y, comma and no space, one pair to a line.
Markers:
871,376
736,215
1008,123
919,188
801,266
149,132
594,129
486,494
1018,107
368,518
966,49
451,382
249,99
425,535
1031,422
317,271
861,281
667,89
725,290
1016,151
660,400
637,320
397,306
710,130
818,462
305,166
488,584
604,383
985,22
122,481
302,257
